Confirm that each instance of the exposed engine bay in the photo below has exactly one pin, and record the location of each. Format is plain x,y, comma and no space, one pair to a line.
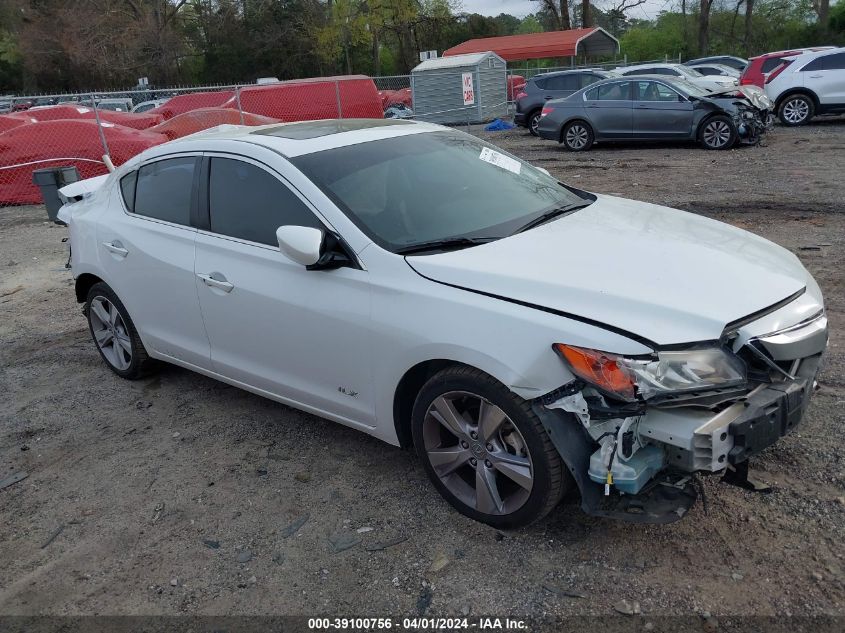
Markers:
752,112
665,439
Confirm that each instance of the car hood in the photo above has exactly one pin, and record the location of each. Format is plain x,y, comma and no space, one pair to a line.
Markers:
753,94
664,275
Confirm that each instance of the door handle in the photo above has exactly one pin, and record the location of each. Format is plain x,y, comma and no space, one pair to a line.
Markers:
815,76
548,97
116,248
212,282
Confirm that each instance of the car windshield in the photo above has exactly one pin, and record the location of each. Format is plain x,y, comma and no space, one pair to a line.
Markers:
689,72
690,89
421,188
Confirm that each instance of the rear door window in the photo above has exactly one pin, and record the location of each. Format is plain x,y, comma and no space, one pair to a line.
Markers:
127,190
249,203
770,64
164,190
587,79
563,83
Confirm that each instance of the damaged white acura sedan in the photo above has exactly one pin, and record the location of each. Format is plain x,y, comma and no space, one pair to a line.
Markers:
420,285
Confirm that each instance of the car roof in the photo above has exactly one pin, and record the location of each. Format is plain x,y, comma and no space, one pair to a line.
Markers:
307,137
796,51
571,71
654,65
713,59
805,55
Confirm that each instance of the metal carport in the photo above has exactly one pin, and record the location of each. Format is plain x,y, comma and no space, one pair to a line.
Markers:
592,42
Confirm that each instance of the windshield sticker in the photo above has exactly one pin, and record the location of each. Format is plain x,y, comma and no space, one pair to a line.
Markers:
500,160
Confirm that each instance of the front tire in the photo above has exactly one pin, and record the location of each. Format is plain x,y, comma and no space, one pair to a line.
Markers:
717,133
485,451
796,110
115,335
577,136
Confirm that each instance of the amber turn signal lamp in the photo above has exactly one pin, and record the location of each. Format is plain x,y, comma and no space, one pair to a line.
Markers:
599,369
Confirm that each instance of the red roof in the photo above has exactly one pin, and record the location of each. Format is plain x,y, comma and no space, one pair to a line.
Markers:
541,45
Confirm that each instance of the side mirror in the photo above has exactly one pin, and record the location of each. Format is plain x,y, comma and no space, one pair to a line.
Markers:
300,244
312,248
542,169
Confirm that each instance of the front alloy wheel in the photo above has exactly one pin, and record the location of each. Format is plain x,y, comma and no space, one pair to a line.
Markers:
477,453
485,450
718,133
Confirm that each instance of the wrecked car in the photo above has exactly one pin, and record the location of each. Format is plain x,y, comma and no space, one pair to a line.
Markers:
656,108
416,283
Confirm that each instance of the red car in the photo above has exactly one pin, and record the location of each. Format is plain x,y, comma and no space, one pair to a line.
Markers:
759,67
20,106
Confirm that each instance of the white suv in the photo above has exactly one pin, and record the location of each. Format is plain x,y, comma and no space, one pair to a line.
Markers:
808,84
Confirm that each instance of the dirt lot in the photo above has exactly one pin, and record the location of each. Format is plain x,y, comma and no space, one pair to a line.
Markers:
179,494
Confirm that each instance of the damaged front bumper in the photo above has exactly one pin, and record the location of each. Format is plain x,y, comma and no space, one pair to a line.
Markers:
665,499
637,462
751,124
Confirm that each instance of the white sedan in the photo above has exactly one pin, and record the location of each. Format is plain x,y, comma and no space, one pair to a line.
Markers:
714,83
421,285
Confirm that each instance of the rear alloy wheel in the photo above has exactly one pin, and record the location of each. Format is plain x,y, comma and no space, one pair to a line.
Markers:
577,136
718,133
796,110
534,122
115,335
485,450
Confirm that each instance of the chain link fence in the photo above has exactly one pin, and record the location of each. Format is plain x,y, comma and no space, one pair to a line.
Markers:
94,131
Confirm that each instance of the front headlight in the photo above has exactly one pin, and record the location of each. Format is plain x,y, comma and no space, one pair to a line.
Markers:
666,372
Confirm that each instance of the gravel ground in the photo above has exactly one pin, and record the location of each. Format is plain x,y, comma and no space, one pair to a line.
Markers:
181,495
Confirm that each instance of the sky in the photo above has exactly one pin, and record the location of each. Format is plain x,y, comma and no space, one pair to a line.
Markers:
521,8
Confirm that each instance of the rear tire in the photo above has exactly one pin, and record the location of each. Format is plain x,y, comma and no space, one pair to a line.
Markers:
577,136
534,122
796,110
485,450
115,335
717,133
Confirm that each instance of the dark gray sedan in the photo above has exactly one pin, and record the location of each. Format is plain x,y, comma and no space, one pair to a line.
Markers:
651,108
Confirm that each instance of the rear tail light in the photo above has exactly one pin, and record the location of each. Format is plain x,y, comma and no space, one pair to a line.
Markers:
521,94
777,71
546,111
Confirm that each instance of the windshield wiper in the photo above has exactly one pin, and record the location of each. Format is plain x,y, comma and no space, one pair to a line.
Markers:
551,214
444,244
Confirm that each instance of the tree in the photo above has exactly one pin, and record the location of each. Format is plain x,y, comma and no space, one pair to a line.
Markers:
530,24
749,26
822,9
558,12
704,26
565,22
